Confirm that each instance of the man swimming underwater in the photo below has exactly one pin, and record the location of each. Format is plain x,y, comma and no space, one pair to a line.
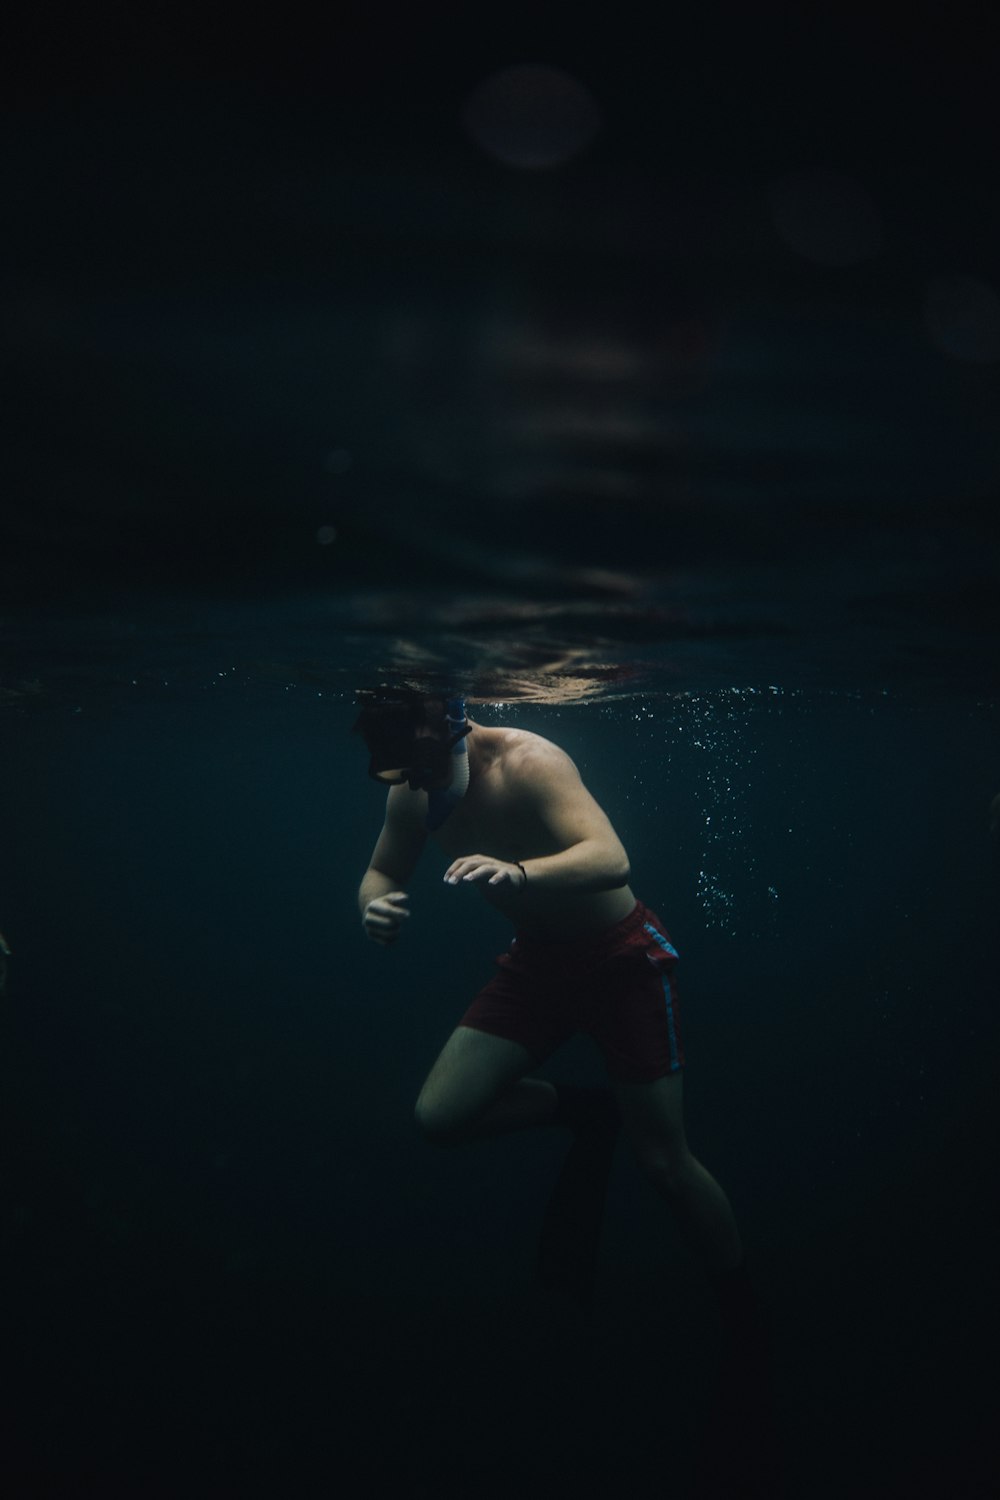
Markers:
587,956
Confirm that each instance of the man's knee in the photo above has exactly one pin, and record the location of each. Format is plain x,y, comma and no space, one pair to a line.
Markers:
439,1123
668,1167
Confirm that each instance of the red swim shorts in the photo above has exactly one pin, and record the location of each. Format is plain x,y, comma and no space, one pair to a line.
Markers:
617,986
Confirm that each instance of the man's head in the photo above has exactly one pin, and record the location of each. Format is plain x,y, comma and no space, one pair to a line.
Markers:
409,737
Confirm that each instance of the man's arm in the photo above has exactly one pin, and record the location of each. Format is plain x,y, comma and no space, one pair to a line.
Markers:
381,897
591,856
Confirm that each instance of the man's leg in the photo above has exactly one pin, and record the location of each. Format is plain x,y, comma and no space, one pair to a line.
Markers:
741,1448
477,1087
653,1116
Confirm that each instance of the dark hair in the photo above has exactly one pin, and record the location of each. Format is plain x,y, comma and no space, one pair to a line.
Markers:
388,721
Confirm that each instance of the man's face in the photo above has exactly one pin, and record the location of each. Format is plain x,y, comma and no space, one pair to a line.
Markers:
426,763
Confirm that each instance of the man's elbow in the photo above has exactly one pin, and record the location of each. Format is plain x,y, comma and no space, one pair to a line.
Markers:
603,866
619,870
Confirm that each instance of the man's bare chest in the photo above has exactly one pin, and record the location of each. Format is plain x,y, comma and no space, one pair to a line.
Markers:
485,823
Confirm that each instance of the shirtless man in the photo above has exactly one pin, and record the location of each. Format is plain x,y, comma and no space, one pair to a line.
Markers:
587,955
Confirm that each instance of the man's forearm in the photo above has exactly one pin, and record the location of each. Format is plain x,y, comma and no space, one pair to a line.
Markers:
585,867
374,884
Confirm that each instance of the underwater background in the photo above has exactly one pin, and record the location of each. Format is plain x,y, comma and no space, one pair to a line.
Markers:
640,382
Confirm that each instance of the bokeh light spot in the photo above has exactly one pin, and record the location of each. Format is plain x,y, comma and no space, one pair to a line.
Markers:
962,317
531,116
825,217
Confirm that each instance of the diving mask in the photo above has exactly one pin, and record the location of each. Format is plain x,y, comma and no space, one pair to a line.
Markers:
419,763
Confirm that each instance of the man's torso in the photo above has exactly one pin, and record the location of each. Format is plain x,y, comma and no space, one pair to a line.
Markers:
492,820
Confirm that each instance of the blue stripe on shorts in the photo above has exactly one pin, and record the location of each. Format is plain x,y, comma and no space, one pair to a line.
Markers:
668,995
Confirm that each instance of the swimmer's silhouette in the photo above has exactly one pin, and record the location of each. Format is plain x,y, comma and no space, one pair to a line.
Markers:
587,957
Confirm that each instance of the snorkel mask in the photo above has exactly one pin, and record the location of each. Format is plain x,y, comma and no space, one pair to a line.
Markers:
419,761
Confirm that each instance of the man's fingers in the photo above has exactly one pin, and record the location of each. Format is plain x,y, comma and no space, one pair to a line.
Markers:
477,867
387,909
384,917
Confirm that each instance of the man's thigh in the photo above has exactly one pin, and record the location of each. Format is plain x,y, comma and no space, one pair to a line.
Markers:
653,1116
472,1070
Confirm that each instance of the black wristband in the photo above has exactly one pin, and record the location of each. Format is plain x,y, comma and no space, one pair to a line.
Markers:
523,871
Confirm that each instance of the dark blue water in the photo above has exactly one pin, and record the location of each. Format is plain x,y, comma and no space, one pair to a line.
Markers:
674,440
230,1258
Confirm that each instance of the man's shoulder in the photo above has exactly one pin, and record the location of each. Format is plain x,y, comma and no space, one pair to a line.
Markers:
406,808
527,754
524,742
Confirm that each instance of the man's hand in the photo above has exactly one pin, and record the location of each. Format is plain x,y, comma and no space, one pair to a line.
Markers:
484,867
383,918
